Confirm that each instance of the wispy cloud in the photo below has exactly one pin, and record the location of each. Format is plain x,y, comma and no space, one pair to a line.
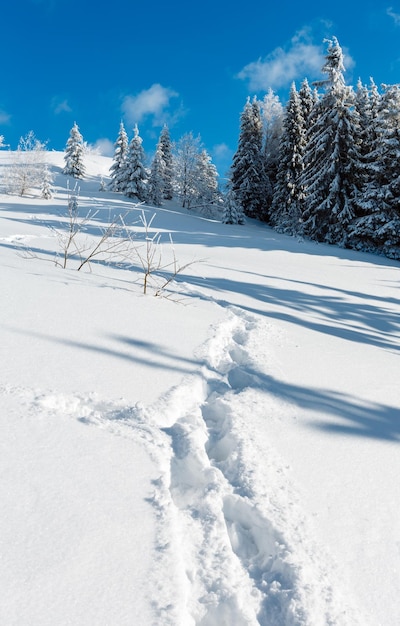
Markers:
395,16
5,118
283,65
154,102
300,59
103,146
60,106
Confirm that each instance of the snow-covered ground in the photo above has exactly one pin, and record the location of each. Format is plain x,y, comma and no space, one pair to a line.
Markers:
224,456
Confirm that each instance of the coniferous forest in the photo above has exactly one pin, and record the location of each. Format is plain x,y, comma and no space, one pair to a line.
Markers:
324,167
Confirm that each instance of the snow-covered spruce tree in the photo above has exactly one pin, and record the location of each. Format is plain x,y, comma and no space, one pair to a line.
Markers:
46,183
288,199
156,180
119,160
379,228
232,211
207,182
308,99
134,182
331,156
73,156
168,171
247,175
272,119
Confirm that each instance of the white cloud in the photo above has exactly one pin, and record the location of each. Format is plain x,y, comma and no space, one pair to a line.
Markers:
153,102
282,66
60,106
5,118
221,151
103,146
395,16
300,59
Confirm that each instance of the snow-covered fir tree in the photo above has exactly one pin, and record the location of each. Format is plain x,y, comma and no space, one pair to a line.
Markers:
168,170
232,211
74,152
47,180
272,119
378,229
117,168
308,100
288,200
207,181
156,180
247,175
134,182
331,156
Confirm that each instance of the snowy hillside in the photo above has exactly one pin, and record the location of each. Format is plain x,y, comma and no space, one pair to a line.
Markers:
223,455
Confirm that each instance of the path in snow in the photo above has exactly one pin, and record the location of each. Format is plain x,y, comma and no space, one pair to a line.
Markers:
246,548
232,546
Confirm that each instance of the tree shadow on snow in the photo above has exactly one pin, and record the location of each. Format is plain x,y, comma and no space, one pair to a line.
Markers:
350,416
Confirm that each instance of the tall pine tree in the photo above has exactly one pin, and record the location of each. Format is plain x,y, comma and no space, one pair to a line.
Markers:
247,175
119,160
165,145
135,175
331,157
73,156
288,200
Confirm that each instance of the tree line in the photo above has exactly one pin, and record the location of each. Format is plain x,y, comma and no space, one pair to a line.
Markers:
183,169
326,166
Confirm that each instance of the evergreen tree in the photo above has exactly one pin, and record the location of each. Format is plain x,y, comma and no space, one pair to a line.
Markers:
73,156
272,117
157,180
232,211
308,100
288,200
331,157
207,179
379,228
247,175
117,169
168,170
134,182
46,183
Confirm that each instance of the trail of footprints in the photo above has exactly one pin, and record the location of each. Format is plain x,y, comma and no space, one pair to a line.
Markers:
240,576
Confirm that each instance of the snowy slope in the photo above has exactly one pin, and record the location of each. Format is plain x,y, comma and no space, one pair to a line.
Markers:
224,456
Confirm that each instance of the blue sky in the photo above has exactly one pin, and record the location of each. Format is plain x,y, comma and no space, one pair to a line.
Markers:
190,65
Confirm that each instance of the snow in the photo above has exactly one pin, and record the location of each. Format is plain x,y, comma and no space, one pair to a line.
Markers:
223,456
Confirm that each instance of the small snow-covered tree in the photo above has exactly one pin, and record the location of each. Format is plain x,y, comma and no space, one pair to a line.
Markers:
186,153
27,169
165,145
117,168
207,180
134,182
156,180
47,180
73,156
232,211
